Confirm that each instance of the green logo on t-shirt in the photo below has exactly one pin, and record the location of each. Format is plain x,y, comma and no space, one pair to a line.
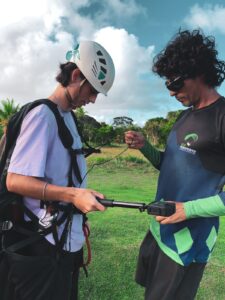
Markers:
189,140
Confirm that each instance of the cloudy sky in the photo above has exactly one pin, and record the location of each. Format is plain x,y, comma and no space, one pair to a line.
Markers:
36,34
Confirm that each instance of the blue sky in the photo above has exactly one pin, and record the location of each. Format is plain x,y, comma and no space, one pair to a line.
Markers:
35,35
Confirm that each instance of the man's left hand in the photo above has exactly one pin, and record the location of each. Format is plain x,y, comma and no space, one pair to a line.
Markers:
177,217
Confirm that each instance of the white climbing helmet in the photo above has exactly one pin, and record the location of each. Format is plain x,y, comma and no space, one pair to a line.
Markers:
95,63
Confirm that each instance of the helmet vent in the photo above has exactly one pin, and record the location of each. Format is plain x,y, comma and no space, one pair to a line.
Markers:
102,60
103,82
99,53
103,70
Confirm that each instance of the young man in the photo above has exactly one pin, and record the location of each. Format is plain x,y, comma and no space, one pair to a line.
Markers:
175,251
40,170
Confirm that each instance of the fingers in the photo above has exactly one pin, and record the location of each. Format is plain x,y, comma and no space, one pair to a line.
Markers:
178,216
97,194
166,220
85,200
99,206
134,139
160,218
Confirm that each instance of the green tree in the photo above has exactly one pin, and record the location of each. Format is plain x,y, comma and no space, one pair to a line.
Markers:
121,125
152,129
167,126
158,129
7,109
88,125
122,121
80,112
105,135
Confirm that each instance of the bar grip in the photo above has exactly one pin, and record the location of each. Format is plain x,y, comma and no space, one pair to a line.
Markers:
113,203
105,202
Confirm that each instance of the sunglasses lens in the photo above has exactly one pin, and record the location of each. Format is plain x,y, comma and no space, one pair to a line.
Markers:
175,85
93,91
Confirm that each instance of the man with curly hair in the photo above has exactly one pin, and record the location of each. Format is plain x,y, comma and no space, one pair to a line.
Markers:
175,251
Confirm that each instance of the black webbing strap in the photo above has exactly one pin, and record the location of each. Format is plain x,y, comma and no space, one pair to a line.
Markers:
65,230
31,239
67,141
33,236
74,167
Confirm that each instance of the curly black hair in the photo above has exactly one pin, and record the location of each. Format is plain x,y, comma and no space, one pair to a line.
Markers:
190,54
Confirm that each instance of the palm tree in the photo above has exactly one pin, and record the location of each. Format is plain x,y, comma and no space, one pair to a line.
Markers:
80,112
7,109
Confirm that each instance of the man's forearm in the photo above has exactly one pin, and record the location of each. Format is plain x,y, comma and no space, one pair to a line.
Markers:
84,199
33,187
207,207
152,154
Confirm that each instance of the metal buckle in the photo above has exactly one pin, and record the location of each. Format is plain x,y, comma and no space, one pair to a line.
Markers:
48,219
6,225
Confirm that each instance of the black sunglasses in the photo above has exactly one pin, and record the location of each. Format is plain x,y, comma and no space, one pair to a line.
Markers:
176,84
93,90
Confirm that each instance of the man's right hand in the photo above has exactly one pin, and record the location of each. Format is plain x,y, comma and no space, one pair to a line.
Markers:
134,139
85,200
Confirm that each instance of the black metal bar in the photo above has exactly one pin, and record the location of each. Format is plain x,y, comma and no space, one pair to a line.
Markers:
159,208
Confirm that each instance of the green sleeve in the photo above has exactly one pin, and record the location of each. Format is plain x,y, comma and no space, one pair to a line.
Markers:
151,153
207,207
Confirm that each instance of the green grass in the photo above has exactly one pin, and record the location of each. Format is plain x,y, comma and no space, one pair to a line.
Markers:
117,233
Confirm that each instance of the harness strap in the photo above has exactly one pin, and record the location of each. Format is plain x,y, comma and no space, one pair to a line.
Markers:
74,167
33,236
31,239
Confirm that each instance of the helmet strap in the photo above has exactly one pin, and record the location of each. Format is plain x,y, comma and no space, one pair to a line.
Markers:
67,93
68,96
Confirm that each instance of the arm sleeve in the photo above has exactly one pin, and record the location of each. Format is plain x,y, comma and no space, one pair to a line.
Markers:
152,154
207,207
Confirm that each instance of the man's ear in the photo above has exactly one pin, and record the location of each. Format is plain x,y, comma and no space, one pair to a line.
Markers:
75,76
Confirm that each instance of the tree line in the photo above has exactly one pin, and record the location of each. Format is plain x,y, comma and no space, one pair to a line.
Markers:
97,133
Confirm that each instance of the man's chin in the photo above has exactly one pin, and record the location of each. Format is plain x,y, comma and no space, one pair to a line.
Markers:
74,106
186,104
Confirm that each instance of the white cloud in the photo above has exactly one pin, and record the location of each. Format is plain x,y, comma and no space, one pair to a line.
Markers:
125,8
29,58
121,9
208,17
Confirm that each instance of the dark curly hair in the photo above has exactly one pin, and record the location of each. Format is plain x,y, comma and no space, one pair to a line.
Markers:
190,54
64,75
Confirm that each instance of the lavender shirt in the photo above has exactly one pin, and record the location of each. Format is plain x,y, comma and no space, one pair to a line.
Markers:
39,153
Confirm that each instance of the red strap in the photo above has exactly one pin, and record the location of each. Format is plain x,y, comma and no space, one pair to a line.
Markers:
86,231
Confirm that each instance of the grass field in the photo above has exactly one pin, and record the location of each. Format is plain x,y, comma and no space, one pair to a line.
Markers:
117,233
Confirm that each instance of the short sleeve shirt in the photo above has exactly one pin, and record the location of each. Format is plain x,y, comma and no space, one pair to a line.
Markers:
40,153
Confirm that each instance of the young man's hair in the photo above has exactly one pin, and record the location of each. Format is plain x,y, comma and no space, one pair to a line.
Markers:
64,75
190,54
